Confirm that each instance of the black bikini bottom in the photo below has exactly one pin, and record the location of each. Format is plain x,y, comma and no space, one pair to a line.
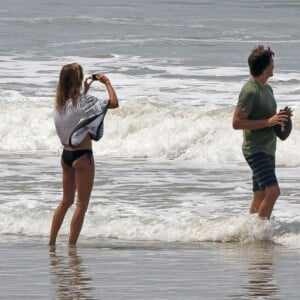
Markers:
69,157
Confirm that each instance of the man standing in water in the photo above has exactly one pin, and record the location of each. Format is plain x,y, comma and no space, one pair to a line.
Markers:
256,115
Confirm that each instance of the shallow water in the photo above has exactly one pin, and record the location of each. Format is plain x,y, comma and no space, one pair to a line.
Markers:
110,269
143,200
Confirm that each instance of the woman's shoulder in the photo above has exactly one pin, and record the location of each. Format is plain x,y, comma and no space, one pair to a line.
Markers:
87,97
88,100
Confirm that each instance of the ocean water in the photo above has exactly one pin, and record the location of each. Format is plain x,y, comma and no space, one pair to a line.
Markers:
168,217
169,168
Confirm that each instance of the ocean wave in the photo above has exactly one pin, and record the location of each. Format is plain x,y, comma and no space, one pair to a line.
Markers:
105,223
144,128
168,110
158,130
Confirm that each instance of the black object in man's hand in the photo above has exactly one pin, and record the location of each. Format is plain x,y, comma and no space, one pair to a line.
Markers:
283,131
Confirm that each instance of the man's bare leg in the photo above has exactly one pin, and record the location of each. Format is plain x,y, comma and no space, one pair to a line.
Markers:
271,195
258,197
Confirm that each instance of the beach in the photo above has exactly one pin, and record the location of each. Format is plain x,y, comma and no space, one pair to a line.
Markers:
110,269
169,212
145,236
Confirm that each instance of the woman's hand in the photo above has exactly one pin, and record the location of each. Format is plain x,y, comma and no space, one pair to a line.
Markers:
113,99
103,78
86,85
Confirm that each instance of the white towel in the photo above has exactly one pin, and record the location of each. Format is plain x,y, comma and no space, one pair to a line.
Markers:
75,122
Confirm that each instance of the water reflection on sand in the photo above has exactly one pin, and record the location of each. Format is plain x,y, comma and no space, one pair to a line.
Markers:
70,275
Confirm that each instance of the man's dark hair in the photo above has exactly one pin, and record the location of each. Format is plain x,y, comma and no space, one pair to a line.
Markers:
259,59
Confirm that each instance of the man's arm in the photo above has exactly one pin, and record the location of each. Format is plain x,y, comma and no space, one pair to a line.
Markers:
241,121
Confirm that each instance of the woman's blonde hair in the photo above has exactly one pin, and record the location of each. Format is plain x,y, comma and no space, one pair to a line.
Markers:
69,85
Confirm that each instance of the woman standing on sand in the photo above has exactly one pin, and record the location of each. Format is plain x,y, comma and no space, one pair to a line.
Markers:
78,119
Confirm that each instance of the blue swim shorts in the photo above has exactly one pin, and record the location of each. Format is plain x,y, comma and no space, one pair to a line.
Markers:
263,170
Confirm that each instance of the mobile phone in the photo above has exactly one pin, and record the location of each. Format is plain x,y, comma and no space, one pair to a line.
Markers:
94,77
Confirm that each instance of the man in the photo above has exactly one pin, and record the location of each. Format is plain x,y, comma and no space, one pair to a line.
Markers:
255,113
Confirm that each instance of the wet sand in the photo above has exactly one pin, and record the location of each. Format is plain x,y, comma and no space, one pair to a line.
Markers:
111,269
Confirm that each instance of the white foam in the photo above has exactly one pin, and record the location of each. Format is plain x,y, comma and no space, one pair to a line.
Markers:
168,110
143,200
184,228
142,128
136,226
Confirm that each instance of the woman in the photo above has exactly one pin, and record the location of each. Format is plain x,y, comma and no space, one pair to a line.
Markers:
78,119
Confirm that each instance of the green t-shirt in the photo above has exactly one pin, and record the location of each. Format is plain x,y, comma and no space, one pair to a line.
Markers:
260,104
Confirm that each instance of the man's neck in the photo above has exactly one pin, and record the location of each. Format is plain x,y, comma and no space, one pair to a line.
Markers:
261,80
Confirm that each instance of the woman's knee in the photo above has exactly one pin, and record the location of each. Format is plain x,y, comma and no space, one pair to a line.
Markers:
82,205
81,209
67,202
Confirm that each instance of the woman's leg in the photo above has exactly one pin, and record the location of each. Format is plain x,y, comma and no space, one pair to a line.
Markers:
84,177
67,201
